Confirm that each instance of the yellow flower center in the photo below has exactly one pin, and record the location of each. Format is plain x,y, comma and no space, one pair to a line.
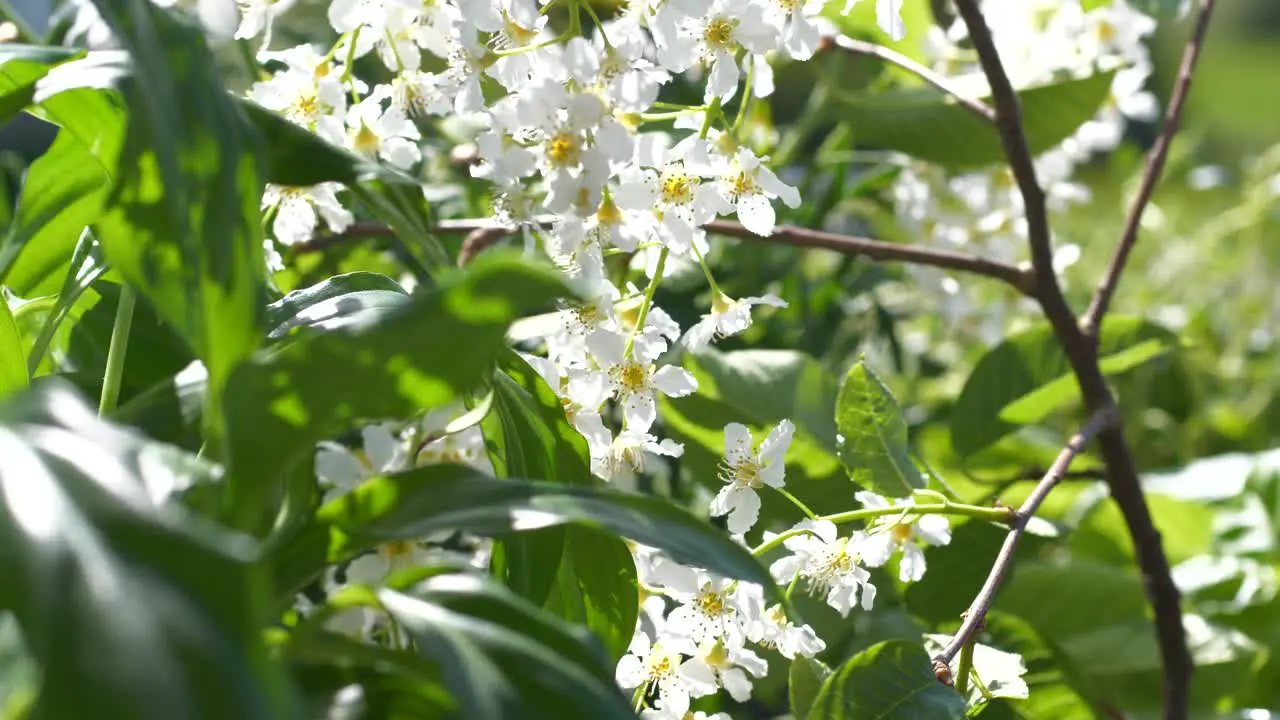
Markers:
719,32
564,149
742,183
711,603
608,213
395,550
901,532
633,377
677,187
365,141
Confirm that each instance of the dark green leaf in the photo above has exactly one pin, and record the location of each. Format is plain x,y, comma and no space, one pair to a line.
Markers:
873,435
579,574
342,300
416,503
392,685
893,680
423,355
804,680
500,659
13,366
1158,9
1027,376
129,607
924,123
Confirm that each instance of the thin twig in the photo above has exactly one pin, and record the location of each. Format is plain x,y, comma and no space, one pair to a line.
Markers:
1081,352
482,232
977,612
1150,177
861,47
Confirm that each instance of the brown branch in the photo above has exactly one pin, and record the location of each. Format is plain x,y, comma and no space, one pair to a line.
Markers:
1081,352
860,47
482,233
977,612
1092,319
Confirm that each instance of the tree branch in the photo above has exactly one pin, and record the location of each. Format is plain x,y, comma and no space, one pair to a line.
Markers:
482,232
977,612
1081,352
860,47
1092,319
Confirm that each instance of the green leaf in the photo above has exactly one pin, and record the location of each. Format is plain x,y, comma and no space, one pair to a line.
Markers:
392,685
416,503
873,435
1158,9
340,301
21,67
892,680
499,658
926,124
84,269
804,680
129,605
62,193
13,365
576,573
427,353
1026,377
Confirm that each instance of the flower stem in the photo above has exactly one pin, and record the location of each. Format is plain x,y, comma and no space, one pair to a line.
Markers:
963,667
114,374
648,299
796,501
942,508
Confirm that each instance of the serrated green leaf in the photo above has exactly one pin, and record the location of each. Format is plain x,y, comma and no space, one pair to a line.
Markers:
924,123
873,436
804,681
427,353
1025,378
892,680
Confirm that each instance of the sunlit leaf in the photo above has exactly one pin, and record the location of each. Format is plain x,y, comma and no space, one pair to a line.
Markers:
893,680
873,435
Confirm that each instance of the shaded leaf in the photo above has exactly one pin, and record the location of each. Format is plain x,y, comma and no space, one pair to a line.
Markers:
873,436
892,680
804,680
417,503
340,301
1026,377
924,123
499,658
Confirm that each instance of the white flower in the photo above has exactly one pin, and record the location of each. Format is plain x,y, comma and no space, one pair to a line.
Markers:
728,317
900,531
772,629
828,563
374,133
676,195
343,469
708,607
745,469
295,211
714,39
660,668
793,21
257,17
1000,672
635,379
728,666
748,186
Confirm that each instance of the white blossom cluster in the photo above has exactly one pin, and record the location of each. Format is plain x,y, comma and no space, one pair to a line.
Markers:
1040,42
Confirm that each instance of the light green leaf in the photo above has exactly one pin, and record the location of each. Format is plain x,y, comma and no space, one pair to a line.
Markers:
427,353
1025,378
873,436
13,365
129,605
892,680
804,681
861,22
924,123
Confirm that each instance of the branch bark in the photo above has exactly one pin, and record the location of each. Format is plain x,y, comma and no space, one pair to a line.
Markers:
977,612
1092,319
481,233
1081,352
